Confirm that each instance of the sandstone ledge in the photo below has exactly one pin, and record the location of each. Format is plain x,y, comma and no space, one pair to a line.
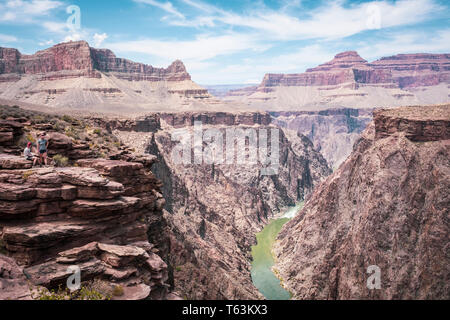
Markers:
419,123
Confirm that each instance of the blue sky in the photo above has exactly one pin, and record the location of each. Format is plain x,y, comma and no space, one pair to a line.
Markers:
233,41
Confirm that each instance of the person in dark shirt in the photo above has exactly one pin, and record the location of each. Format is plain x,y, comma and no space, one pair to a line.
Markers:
43,148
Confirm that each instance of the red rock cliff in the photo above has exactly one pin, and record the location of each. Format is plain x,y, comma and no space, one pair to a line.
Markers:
387,206
404,70
79,57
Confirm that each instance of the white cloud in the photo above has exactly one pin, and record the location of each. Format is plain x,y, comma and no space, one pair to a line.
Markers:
295,62
7,38
166,6
99,38
406,42
204,47
330,21
46,43
56,27
25,11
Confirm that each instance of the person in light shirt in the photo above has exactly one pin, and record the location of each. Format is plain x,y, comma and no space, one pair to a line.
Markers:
28,154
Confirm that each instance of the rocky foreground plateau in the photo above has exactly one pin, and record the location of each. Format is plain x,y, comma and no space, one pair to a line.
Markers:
157,229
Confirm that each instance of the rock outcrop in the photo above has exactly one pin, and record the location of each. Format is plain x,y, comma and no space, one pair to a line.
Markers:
333,131
350,81
93,216
74,75
13,282
387,206
214,211
96,215
84,60
405,70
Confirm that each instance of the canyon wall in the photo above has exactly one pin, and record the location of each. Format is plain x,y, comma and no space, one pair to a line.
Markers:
96,215
386,206
74,75
333,131
350,81
78,56
212,212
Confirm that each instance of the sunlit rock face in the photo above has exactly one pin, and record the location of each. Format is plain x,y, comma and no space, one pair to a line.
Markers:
75,75
350,81
214,211
385,209
333,132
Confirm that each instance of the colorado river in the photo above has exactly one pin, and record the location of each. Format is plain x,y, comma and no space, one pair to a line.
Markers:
263,277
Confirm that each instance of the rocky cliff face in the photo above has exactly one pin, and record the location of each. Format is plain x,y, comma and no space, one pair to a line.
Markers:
213,211
75,75
97,216
78,56
386,206
350,81
405,70
333,132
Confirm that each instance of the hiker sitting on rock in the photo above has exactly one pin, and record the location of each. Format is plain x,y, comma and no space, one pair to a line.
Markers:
43,146
28,154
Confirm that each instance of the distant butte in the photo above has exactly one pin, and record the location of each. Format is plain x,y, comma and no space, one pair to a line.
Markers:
350,81
74,75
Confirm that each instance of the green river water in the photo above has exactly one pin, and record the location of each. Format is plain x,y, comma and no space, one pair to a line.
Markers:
263,277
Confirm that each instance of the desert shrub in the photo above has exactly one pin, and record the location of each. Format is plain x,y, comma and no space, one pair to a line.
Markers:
30,138
59,126
117,291
71,132
27,174
3,247
67,118
61,161
98,131
86,292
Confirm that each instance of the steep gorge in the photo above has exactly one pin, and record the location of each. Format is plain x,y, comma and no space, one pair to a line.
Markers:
386,206
214,211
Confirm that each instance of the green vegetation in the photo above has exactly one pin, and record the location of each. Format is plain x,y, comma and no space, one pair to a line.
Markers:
3,247
98,131
87,292
27,174
61,161
117,291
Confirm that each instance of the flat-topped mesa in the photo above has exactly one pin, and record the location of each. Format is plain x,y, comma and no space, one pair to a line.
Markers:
337,71
404,70
85,61
414,70
105,60
72,56
418,123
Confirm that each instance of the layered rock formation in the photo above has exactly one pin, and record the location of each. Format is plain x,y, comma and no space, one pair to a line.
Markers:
78,56
386,206
214,211
96,216
333,131
75,75
350,81
92,216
